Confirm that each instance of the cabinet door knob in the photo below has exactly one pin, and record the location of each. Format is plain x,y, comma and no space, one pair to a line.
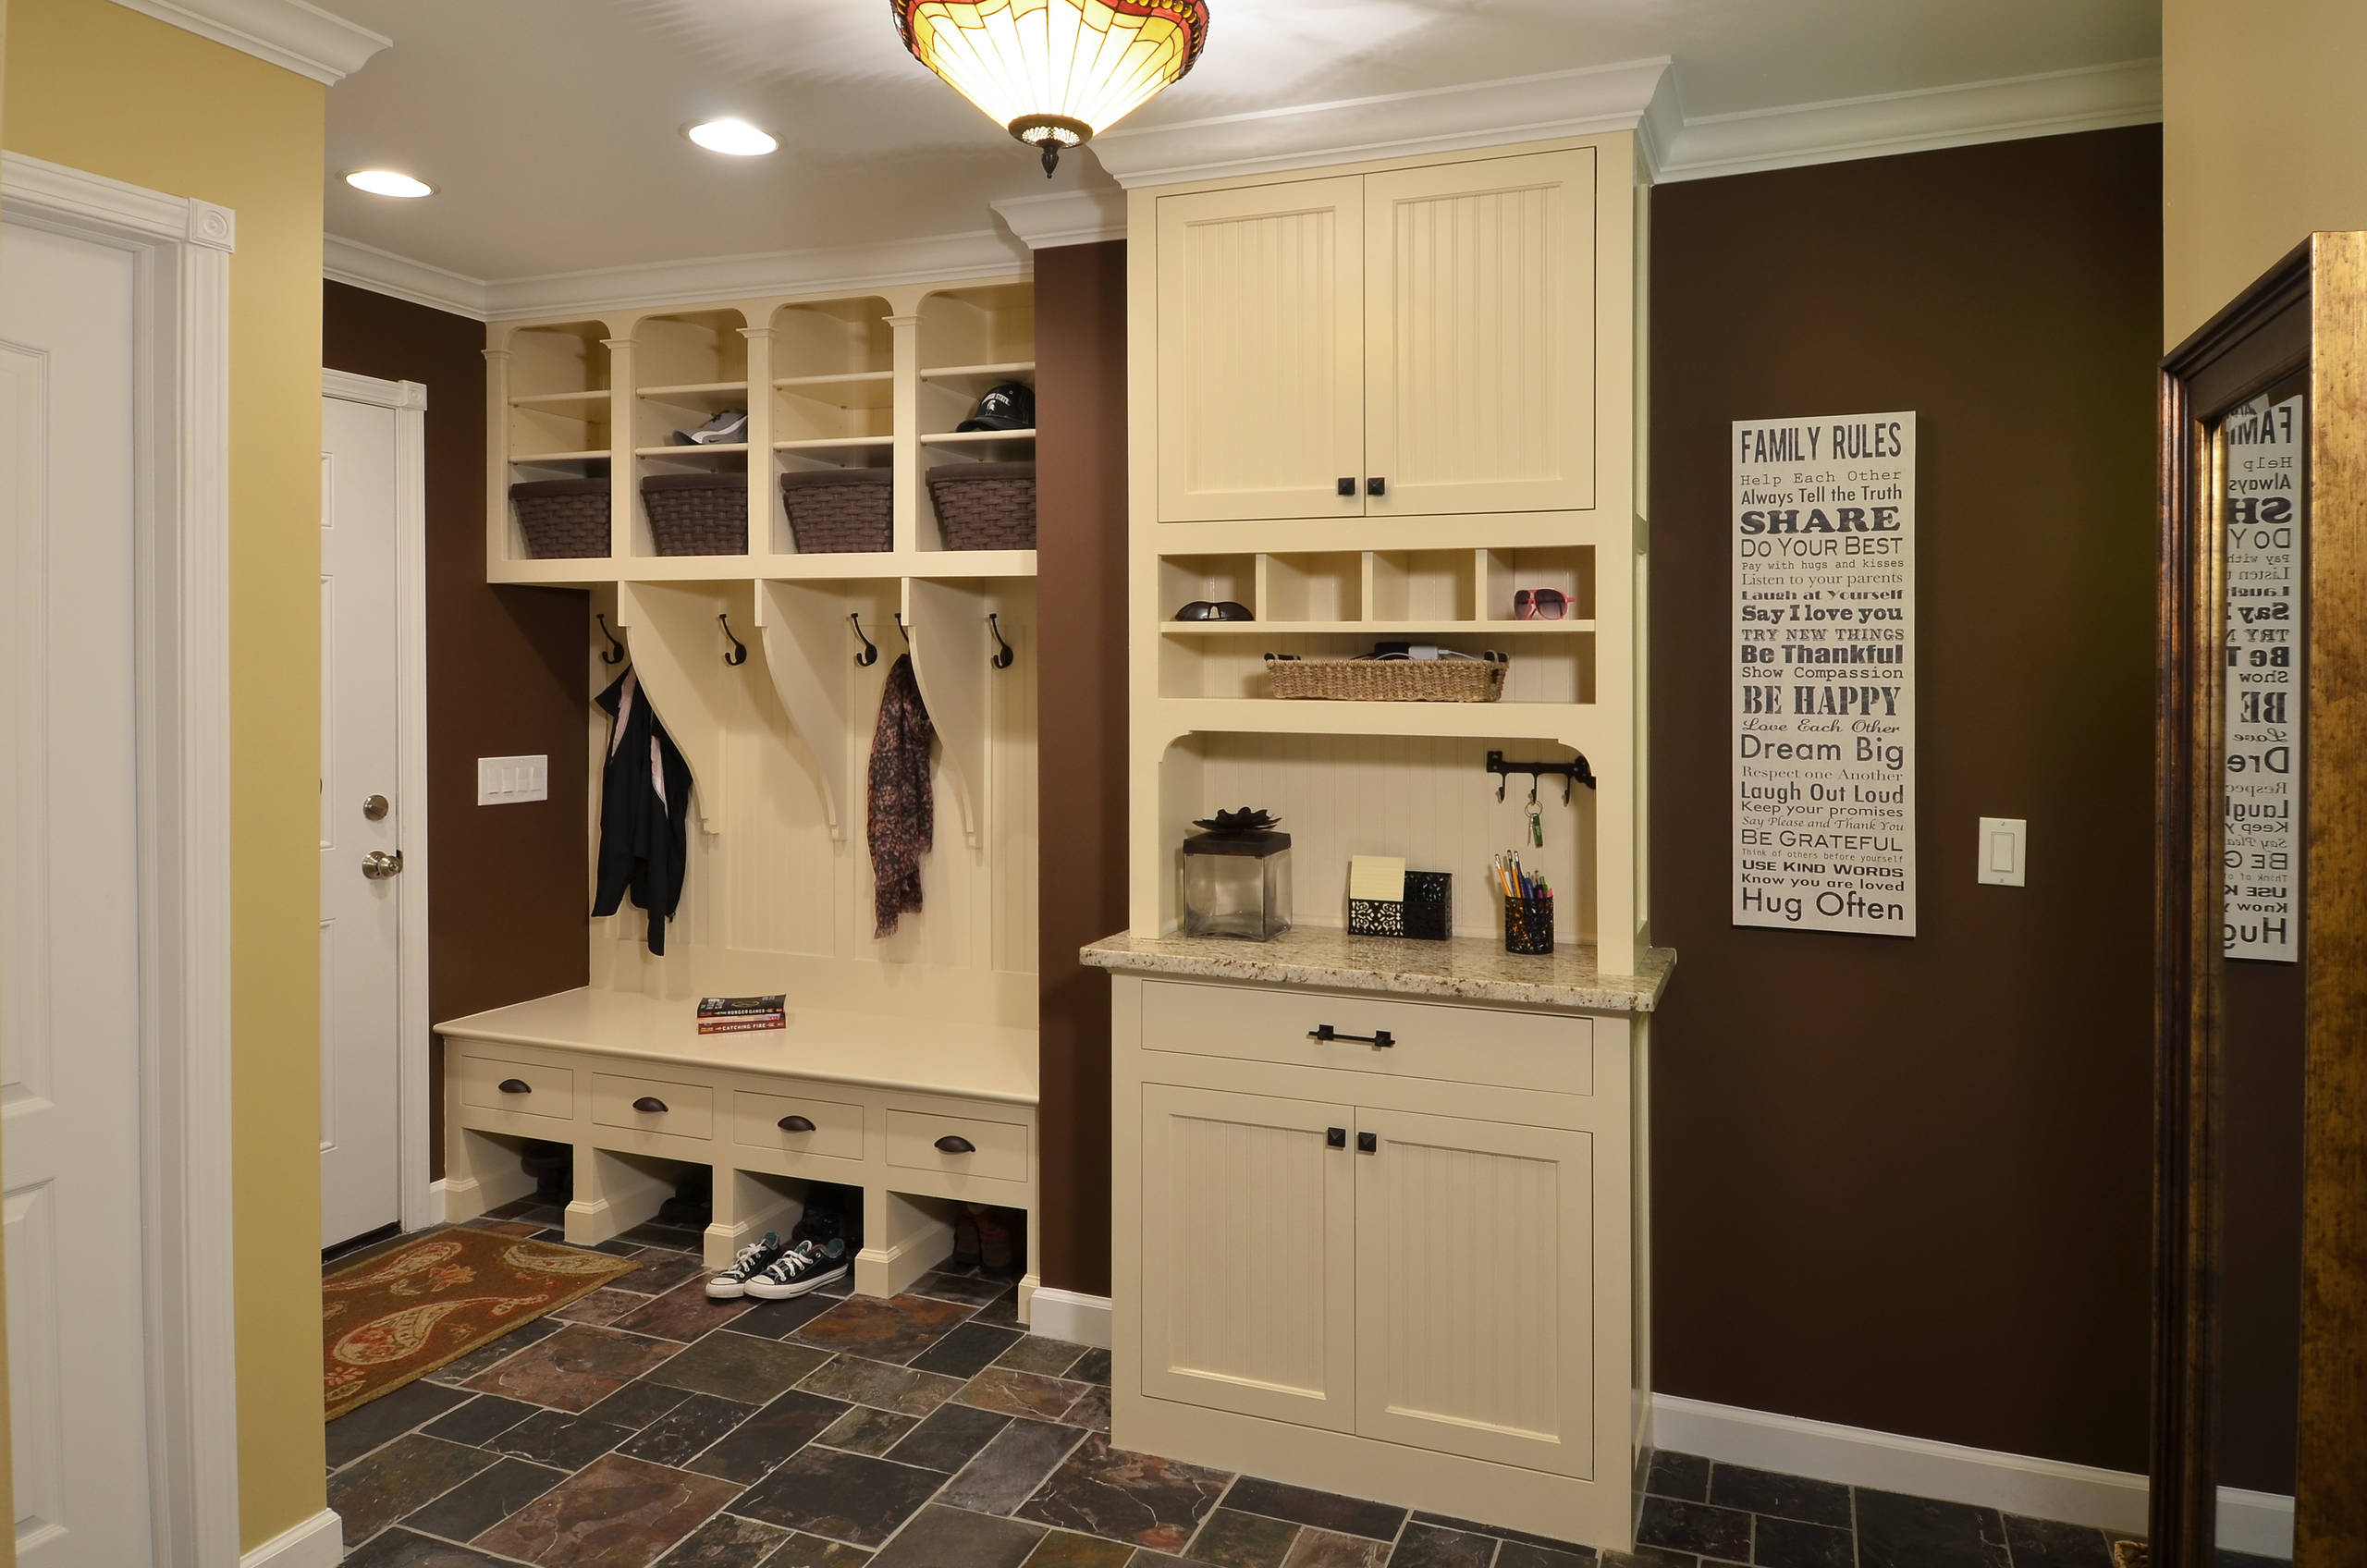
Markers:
795,1124
1367,1143
1335,1138
516,1086
1376,487
954,1142
1347,484
649,1104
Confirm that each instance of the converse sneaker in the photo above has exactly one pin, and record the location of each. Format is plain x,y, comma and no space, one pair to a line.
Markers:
799,1269
752,1259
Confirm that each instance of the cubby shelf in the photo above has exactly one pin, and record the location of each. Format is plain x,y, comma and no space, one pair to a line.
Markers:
695,390
1384,628
935,566
1572,723
976,437
853,389
1010,371
714,449
596,454
562,400
835,444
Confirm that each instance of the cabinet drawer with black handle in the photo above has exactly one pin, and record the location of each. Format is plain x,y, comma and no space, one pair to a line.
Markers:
1545,1051
521,1089
650,1105
958,1146
797,1125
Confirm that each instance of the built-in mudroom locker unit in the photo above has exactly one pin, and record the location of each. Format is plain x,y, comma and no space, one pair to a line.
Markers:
763,584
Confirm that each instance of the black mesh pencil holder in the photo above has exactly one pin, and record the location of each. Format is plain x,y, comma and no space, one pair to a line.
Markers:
1529,925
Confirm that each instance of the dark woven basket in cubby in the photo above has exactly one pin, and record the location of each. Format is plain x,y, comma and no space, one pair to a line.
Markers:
985,505
835,509
698,514
562,519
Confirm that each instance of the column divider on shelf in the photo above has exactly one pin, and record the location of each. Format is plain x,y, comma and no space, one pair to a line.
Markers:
760,446
621,423
906,539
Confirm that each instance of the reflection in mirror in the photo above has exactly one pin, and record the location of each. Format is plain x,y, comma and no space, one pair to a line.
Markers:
2262,450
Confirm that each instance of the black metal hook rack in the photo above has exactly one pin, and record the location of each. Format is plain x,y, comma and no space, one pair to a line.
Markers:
739,653
616,650
1574,771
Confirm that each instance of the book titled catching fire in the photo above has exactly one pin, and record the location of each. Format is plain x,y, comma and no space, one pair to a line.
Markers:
731,1015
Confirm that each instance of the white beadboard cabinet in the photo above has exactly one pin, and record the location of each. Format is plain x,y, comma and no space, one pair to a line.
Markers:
1407,343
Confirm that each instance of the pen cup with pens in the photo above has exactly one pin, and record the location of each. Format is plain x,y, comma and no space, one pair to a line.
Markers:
1528,908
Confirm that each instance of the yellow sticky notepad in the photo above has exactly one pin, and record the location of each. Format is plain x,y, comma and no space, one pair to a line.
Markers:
1380,878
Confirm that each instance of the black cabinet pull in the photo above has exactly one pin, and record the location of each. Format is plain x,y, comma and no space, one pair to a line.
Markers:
1376,487
1335,1138
1367,1143
954,1142
1379,1039
1347,484
795,1124
516,1086
649,1104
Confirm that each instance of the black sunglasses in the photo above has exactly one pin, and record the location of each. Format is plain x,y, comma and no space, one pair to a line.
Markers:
1541,603
1224,609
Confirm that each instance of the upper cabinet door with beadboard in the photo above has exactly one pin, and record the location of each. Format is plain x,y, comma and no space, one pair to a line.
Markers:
1479,335
1475,1289
1261,376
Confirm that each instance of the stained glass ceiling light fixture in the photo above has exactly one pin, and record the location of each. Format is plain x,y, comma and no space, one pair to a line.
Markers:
1053,72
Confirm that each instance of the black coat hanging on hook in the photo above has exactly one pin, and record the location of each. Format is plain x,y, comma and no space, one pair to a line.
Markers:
645,811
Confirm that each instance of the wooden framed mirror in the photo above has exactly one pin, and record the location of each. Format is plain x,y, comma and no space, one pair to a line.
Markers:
2261,752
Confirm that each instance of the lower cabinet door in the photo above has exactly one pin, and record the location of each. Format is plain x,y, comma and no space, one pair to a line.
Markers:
1475,1289
1249,1254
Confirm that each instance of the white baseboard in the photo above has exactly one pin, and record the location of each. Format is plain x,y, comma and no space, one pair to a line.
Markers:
318,1543
2039,1488
1065,1315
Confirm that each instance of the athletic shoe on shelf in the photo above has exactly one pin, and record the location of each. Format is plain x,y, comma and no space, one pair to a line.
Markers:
730,425
752,1259
799,1269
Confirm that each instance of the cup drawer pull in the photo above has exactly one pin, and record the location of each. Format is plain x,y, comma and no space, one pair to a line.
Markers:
650,1105
1379,1039
954,1142
796,1124
516,1086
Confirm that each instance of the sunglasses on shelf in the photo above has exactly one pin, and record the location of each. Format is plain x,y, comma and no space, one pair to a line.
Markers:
1541,603
1224,609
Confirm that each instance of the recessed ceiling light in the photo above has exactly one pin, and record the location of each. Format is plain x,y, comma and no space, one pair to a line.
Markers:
736,136
388,182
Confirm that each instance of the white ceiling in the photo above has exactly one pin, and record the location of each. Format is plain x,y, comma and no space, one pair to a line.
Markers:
551,127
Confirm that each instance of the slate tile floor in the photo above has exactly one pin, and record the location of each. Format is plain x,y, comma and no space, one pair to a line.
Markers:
645,1427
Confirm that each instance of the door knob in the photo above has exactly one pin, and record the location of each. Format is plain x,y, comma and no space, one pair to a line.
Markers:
1335,1138
796,1124
1376,487
1367,1143
650,1105
378,865
953,1142
375,808
1347,486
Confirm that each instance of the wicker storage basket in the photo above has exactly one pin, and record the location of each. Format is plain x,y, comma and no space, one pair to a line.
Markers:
985,505
1389,680
835,509
698,514
562,519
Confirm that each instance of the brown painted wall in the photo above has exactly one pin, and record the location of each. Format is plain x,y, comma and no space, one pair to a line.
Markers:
507,891
1081,787
1905,1184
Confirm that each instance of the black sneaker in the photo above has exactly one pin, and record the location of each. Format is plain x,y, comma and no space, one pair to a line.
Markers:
753,1259
800,1270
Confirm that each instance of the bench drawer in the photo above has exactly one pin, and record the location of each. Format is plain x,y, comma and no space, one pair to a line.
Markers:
926,1141
653,1105
1551,1052
523,1088
819,1127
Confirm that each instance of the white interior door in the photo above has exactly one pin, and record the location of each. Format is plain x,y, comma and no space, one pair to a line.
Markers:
361,817
70,900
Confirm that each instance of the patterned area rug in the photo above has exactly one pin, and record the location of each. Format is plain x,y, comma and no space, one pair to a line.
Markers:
404,1313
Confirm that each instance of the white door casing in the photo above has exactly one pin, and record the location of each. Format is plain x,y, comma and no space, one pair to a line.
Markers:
166,587
69,967
375,1031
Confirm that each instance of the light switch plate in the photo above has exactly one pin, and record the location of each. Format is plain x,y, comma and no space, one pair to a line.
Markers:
509,781
2005,849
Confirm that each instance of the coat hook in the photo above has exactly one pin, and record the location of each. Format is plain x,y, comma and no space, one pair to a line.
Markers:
616,654
902,628
1003,655
739,653
870,655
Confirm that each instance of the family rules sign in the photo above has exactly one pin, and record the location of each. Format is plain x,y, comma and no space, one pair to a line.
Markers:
1824,741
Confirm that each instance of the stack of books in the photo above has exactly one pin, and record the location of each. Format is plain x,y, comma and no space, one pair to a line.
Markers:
730,1015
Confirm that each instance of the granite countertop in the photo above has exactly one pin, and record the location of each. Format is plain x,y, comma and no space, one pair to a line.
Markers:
1471,968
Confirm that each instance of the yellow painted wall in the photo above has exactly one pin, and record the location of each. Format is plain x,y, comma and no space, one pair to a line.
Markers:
2263,140
102,88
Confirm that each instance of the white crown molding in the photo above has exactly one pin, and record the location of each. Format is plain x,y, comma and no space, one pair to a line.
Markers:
2051,104
2261,1523
383,272
347,386
288,34
1396,125
1066,217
